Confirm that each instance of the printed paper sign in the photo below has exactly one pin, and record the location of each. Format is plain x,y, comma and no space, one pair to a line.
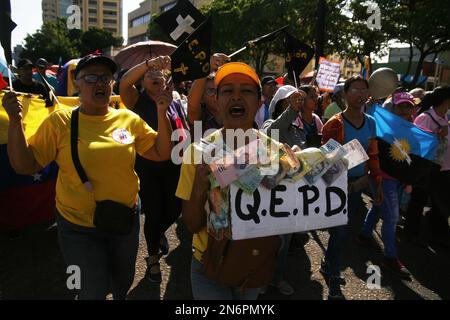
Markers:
328,74
287,208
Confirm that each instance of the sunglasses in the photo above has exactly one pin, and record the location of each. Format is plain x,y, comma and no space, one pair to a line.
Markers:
94,78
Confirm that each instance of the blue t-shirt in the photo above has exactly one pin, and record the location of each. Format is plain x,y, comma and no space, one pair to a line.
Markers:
363,134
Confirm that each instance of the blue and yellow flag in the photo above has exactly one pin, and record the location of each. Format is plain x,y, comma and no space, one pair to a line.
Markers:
406,152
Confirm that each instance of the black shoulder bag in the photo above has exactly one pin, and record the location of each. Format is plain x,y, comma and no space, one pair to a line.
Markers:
109,216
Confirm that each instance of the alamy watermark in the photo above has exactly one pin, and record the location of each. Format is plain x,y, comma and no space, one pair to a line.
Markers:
74,17
74,279
374,21
373,282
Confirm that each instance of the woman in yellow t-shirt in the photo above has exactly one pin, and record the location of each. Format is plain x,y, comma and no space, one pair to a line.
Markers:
108,140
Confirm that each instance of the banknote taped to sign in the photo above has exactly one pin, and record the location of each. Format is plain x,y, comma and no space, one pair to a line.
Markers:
289,207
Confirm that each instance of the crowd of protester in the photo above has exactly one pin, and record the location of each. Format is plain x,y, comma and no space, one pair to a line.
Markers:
150,182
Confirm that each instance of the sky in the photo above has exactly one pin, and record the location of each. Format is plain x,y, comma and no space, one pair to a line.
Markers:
27,14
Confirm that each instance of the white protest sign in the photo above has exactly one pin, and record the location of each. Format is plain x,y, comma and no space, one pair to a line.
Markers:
328,74
289,207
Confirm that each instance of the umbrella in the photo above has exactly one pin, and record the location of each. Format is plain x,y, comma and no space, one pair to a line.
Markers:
141,51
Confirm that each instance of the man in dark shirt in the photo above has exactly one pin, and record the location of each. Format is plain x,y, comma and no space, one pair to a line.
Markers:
26,83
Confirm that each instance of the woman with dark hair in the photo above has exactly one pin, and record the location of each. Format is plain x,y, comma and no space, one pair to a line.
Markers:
402,105
284,113
287,109
310,121
434,120
158,179
343,127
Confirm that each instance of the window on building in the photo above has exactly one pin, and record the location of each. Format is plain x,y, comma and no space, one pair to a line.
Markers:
110,14
145,19
167,6
109,5
109,21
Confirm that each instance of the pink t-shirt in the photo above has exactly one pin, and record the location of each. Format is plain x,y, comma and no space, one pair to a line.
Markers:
425,122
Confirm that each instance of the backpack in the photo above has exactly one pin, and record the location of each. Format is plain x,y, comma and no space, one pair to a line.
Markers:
248,263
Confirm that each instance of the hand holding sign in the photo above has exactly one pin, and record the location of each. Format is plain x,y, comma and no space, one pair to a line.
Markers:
217,60
159,63
201,181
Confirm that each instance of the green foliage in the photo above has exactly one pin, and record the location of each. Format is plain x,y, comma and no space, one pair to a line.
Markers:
96,38
423,23
54,40
51,42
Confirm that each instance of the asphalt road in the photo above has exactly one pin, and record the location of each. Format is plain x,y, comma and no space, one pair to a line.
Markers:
32,268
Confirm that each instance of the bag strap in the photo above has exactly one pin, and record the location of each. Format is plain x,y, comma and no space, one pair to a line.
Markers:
74,145
432,118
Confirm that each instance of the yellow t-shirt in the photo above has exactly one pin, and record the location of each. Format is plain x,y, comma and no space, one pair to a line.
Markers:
107,147
184,191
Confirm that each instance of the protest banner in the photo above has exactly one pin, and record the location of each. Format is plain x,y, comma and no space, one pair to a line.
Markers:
287,208
328,74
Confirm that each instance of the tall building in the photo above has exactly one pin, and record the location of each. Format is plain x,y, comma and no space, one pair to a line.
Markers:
103,14
139,19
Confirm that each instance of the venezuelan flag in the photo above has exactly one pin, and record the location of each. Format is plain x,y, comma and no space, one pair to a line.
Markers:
405,151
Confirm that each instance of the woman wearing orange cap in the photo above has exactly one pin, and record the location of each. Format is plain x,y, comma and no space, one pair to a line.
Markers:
238,96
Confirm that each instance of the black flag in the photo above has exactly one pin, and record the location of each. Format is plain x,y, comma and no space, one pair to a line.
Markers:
180,21
259,40
6,27
190,60
297,55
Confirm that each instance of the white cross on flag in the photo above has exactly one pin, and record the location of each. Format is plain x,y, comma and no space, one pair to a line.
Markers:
180,21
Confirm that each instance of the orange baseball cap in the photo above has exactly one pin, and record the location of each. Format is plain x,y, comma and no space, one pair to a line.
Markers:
236,67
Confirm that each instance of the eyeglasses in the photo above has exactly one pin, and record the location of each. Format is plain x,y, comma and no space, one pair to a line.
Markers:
210,91
355,91
94,78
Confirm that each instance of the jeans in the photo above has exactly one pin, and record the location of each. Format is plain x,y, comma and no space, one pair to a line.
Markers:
204,288
282,257
389,211
337,236
106,261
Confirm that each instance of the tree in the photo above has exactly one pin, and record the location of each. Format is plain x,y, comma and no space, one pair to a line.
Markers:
54,40
361,40
97,39
425,24
50,42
